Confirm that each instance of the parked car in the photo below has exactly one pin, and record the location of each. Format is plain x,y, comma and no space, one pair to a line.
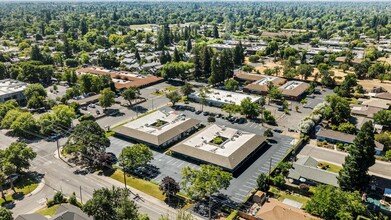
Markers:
277,130
219,115
192,109
84,108
186,102
241,120
91,105
198,112
12,178
205,113
280,109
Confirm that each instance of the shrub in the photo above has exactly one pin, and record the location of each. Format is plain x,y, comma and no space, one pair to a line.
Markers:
268,133
58,198
211,119
304,187
278,181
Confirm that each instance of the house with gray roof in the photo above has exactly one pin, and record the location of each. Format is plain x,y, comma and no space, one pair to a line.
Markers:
64,212
340,137
305,170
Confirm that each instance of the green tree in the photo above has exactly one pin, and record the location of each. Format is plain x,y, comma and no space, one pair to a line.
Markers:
130,93
338,110
63,115
169,187
24,125
215,32
204,182
231,108
262,182
19,155
174,97
231,84
347,127
134,156
3,179
187,89
9,118
304,70
330,202
87,141
176,56
5,214
268,117
111,204
106,98
34,90
249,108
354,172
383,117
3,71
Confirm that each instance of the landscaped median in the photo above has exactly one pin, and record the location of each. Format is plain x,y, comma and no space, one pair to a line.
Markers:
150,188
145,186
25,184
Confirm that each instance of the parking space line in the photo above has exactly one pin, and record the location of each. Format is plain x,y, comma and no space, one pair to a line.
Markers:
181,164
246,191
249,187
251,184
170,160
240,195
175,162
237,199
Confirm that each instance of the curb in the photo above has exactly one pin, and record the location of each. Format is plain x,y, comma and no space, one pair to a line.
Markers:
39,188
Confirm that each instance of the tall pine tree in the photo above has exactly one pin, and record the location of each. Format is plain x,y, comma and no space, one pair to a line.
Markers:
354,173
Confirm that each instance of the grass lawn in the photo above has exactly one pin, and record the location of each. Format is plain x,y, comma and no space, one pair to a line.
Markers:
23,186
49,211
109,133
281,195
157,93
140,184
331,167
171,88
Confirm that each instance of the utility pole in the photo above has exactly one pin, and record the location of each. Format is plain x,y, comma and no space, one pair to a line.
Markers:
270,168
58,148
123,170
81,196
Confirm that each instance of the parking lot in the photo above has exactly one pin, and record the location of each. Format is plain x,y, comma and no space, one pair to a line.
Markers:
167,165
244,179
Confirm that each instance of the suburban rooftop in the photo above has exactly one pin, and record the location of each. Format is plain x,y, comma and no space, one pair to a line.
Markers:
8,86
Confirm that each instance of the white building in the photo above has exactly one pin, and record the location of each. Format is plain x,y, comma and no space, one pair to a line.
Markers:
222,146
158,129
219,98
12,89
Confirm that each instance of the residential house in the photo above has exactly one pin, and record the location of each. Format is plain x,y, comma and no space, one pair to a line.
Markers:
340,137
305,170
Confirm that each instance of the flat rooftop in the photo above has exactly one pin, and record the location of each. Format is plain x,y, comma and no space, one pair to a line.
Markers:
227,96
220,145
9,86
294,88
158,127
